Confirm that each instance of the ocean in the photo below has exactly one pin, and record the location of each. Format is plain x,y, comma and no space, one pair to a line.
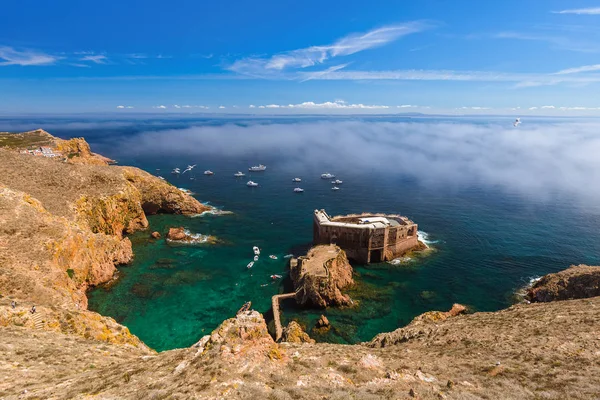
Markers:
498,206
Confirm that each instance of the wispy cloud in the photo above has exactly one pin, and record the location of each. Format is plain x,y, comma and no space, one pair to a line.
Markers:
124,107
95,58
161,107
559,42
585,68
314,55
581,11
11,56
521,80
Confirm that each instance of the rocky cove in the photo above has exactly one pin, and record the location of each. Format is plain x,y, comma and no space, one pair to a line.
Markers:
63,231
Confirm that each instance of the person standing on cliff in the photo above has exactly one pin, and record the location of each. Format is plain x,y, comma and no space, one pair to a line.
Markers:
33,310
13,304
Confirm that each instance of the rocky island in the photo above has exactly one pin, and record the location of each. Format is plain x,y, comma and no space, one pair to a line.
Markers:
63,226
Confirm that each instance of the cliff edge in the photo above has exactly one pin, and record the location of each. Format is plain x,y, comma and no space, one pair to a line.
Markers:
62,228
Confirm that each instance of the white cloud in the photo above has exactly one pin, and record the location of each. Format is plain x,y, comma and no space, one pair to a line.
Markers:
160,107
251,106
221,107
328,105
407,106
176,106
581,11
124,107
10,56
314,55
577,70
533,108
97,59
548,107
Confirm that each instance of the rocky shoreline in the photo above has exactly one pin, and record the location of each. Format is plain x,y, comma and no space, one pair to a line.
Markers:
64,230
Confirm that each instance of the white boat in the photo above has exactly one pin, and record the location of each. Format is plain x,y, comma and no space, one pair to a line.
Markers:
251,184
327,175
298,190
337,182
250,264
255,258
239,174
276,277
256,250
176,171
161,178
208,172
335,188
296,180
517,122
257,168
272,257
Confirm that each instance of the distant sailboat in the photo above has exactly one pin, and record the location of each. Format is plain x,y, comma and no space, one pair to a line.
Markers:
517,122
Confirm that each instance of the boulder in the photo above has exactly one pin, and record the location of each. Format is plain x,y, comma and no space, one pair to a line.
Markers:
294,333
155,235
323,322
177,234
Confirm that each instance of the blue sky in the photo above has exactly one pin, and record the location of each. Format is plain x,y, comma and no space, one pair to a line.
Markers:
526,57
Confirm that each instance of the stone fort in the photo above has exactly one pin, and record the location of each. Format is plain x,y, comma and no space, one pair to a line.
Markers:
366,238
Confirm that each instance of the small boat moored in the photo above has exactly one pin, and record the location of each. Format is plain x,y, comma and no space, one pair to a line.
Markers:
298,190
176,171
335,188
296,180
273,257
255,258
250,264
276,277
208,172
337,182
239,174
327,175
251,184
256,250
257,168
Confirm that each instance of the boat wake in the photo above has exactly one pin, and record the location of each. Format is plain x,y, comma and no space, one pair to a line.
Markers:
213,211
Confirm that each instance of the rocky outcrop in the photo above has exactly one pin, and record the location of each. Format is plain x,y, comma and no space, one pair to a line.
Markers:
182,235
158,196
62,231
294,333
416,327
321,275
576,282
155,235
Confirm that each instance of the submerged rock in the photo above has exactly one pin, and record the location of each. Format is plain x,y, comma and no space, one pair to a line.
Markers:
576,282
155,235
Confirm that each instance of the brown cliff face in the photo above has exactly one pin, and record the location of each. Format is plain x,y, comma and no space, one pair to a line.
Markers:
320,277
576,282
294,333
62,227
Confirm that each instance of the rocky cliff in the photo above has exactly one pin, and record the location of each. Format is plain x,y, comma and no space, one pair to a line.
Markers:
321,275
62,230
576,282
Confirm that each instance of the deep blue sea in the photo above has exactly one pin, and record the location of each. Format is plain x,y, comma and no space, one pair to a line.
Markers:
499,205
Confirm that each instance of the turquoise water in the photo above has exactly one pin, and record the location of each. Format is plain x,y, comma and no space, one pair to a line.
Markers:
490,236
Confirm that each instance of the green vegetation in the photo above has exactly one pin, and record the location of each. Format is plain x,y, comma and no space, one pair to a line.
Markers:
71,273
25,140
